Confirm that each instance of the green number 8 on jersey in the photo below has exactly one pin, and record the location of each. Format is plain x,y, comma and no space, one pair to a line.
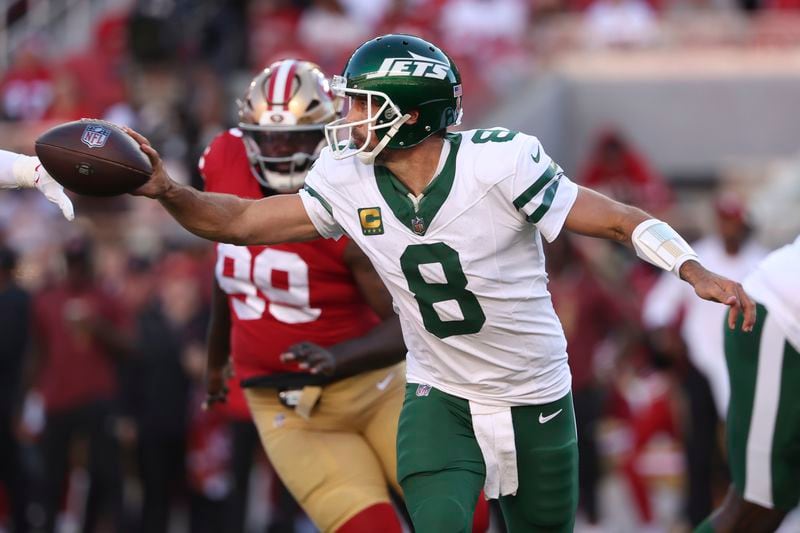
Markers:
429,293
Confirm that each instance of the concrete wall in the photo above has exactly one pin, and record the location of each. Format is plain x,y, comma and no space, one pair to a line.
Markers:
689,121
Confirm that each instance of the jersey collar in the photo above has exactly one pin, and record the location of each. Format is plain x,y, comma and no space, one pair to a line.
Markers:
397,197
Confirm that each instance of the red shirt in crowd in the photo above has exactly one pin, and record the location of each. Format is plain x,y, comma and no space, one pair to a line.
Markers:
76,368
587,314
26,92
615,168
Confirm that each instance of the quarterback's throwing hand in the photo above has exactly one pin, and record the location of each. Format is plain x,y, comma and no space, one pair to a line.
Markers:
716,288
159,182
311,357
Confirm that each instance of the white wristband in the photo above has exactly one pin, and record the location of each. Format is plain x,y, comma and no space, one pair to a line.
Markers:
657,243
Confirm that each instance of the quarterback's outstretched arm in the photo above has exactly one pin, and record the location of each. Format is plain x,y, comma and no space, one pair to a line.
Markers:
25,172
225,217
596,215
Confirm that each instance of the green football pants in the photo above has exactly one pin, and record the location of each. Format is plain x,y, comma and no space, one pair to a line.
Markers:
441,468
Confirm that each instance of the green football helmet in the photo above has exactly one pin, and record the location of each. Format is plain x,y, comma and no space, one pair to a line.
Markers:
397,74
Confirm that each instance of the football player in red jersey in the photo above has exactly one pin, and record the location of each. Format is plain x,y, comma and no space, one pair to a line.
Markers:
309,326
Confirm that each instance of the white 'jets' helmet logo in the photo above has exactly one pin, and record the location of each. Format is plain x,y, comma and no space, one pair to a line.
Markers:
419,66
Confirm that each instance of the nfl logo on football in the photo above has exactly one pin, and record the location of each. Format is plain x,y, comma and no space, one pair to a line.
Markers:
95,136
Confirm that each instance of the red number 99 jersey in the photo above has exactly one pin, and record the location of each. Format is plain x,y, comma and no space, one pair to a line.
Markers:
279,294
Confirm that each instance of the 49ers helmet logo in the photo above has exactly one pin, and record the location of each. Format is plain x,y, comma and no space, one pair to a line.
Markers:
418,65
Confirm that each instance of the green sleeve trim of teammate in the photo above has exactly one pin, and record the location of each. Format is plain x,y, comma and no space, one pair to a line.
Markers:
319,197
433,197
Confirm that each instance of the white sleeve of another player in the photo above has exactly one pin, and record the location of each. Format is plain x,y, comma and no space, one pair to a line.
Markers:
664,302
16,170
540,190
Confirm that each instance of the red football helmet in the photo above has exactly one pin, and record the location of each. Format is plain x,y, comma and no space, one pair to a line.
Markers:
282,117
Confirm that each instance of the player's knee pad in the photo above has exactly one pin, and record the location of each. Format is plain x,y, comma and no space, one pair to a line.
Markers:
441,514
378,517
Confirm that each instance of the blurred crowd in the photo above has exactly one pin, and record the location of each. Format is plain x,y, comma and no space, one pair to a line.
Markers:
103,320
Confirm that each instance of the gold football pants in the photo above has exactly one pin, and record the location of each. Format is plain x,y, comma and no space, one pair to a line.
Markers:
342,458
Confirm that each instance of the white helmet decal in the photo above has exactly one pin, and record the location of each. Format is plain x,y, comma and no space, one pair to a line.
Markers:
419,66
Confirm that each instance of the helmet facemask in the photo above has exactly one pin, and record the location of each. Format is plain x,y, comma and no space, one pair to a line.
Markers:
282,118
400,76
382,114
282,158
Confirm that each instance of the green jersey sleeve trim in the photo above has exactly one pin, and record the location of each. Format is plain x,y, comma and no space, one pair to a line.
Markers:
537,186
319,197
540,211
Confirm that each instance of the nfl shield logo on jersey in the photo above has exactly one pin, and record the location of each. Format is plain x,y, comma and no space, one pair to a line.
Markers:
423,390
418,225
95,136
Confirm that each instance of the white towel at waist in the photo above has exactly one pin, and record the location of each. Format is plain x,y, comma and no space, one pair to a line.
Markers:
494,431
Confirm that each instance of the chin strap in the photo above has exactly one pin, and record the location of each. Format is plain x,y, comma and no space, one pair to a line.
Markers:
369,157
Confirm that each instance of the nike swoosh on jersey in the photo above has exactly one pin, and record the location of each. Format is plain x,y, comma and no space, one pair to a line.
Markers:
538,155
548,418
382,384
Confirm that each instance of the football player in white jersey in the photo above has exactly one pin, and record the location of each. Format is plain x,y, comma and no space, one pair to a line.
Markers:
763,423
453,225
18,171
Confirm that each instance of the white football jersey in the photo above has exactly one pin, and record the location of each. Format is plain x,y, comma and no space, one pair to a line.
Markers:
776,284
463,262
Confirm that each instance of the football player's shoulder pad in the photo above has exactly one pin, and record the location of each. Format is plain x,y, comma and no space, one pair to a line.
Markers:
495,152
333,170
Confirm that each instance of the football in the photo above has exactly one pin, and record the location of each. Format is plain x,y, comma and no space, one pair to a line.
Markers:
93,157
